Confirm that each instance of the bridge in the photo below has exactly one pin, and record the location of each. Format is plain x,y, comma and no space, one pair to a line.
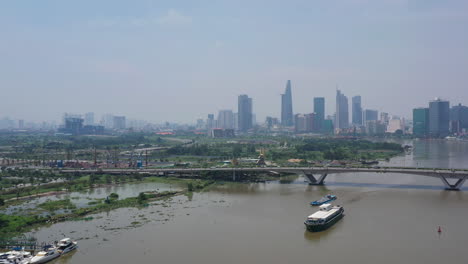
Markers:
315,175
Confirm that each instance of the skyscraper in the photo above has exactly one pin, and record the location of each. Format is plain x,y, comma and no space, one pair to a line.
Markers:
210,122
439,118
119,122
89,119
319,110
370,115
458,118
244,113
357,111
420,122
286,106
342,112
226,119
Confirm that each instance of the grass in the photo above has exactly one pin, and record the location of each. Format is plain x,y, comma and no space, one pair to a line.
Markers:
52,206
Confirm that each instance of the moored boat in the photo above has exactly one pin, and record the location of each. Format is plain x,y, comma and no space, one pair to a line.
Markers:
325,217
47,254
326,199
15,257
66,245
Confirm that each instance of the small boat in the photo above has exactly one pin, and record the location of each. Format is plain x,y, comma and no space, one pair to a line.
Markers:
47,254
66,245
15,257
326,199
325,217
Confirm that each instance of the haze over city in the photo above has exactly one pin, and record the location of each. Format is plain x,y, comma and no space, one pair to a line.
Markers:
179,61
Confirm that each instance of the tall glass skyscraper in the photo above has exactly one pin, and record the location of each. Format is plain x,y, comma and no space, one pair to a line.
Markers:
244,113
342,111
420,122
319,110
357,110
286,106
439,118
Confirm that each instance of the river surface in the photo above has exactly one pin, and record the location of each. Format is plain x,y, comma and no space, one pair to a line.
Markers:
390,218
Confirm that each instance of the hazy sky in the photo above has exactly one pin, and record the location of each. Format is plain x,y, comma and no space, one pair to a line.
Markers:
180,60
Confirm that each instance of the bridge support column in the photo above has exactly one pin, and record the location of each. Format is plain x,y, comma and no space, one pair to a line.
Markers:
315,181
453,187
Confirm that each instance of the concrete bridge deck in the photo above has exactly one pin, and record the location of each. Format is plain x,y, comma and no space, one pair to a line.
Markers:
460,176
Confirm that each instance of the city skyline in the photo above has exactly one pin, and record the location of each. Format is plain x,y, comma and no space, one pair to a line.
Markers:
159,60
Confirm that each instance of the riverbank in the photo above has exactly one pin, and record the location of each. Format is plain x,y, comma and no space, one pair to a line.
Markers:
13,225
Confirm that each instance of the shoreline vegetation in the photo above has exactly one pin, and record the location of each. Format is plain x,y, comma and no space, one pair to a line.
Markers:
14,225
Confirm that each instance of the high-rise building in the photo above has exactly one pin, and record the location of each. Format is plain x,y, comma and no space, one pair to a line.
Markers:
342,111
119,122
357,110
395,125
226,119
458,118
108,120
384,118
244,113
210,122
439,118
319,110
89,119
370,115
286,106
421,122
21,124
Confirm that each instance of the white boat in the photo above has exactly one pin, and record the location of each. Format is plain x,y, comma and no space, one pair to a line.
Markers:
66,245
15,257
48,253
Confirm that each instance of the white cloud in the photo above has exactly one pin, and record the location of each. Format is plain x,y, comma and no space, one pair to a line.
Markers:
174,18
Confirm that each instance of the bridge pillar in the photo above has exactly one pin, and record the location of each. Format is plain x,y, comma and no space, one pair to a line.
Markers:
453,187
315,181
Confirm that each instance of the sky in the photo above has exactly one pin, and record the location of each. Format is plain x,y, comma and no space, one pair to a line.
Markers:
181,60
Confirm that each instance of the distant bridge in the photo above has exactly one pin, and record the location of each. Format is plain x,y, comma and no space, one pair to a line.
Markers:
315,175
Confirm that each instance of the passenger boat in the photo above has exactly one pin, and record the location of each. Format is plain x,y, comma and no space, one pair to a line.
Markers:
47,254
66,245
325,217
15,257
326,199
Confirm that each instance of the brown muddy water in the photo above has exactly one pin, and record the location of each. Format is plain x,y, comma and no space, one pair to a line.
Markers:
390,218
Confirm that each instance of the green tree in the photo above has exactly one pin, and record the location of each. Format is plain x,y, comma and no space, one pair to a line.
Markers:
142,197
2,202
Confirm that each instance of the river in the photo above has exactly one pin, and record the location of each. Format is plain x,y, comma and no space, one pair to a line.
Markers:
390,218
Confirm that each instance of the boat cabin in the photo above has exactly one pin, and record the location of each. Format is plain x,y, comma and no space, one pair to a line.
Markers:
325,207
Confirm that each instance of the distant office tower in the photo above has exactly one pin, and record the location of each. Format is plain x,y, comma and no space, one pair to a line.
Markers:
271,122
357,110
226,119
21,124
210,122
244,113
286,106
304,122
119,122
395,125
89,119
421,122
73,124
439,116
319,110
342,112
375,127
236,121
384,118
458,118
370,115
108,121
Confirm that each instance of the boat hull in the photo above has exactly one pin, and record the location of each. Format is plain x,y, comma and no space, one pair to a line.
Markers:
325,226
316,203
